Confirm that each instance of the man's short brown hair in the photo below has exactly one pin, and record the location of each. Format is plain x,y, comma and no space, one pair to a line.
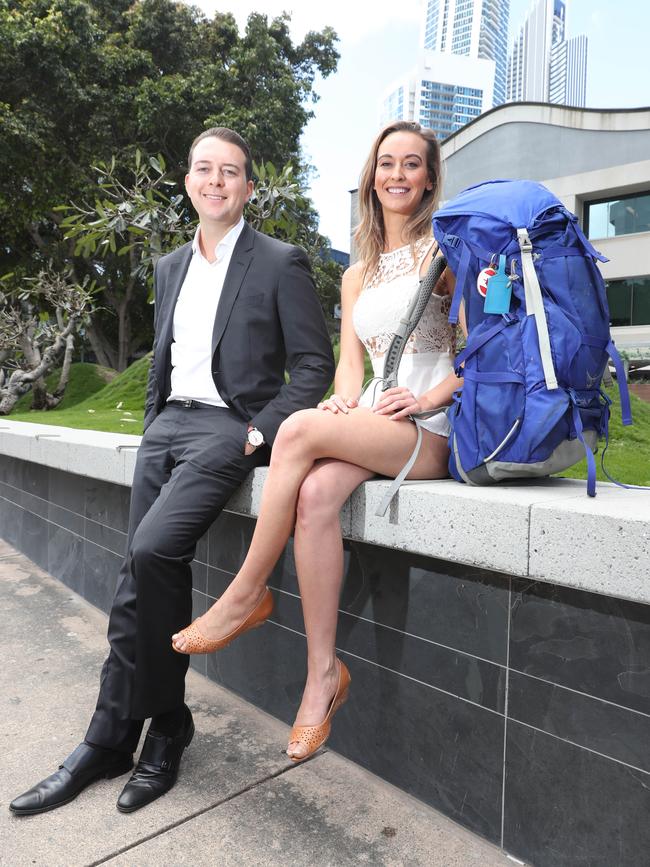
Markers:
229,135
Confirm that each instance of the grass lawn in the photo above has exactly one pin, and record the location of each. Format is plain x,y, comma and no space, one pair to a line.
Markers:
85,380
116,406
628,456
98,399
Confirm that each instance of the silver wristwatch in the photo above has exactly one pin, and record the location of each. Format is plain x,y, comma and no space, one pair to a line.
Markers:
255,437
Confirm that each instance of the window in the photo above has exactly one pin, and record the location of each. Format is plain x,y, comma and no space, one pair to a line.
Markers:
624,215
629,301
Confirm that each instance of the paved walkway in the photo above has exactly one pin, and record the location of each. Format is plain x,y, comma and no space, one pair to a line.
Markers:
238,801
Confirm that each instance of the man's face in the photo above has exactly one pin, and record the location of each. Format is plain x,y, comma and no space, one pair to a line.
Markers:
216,182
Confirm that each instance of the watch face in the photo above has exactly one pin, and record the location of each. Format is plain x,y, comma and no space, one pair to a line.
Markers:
255,437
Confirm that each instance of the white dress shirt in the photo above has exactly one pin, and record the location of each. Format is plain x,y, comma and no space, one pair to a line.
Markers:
194,315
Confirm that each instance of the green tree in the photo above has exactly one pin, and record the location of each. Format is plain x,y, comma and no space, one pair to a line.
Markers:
83,79
39,320
133,219
119,236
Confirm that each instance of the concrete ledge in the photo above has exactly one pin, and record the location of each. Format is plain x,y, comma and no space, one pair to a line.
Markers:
548,529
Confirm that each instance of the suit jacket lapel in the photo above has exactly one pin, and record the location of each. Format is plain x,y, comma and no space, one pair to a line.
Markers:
175,276
242,256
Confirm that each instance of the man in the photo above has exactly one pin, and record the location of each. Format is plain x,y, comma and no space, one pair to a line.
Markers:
233,310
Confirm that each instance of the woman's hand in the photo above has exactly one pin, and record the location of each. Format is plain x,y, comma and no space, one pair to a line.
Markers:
335,403
399,403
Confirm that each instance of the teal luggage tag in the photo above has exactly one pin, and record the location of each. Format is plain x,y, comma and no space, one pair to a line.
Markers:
499,290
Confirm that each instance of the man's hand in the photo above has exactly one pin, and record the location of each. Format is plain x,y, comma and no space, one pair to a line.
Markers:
336,403
249,449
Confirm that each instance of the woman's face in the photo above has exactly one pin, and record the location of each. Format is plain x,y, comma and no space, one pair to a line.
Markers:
401,172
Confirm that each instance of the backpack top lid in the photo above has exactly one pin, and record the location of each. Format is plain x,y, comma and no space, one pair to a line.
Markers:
517,203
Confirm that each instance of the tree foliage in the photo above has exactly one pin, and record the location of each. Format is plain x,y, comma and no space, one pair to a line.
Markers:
81,80
134,217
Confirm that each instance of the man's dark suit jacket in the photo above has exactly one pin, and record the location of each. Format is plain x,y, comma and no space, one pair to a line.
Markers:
268,320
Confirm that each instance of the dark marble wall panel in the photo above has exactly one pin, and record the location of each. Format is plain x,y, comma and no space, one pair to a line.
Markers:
266,666
11,520
216,582
107,537
591,722
228,541
67,520
34,504
447,752
591,643
65,558
36,479
199,576
7,492
202,549
34,538
108,504
460,674
452,605
12,471
567,807
101,569
68,490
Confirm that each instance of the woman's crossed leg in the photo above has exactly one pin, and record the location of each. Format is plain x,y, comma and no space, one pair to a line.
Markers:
369,441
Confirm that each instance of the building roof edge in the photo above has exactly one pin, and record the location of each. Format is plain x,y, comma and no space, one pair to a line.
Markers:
553,113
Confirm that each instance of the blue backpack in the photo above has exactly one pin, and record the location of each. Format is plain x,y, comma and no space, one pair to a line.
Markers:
538,335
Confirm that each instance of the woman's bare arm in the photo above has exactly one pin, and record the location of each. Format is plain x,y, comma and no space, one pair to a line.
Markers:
350,369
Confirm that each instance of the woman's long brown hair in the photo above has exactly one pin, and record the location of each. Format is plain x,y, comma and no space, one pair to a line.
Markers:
369,235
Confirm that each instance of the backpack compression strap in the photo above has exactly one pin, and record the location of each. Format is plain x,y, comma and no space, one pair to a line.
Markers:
393,357
535,307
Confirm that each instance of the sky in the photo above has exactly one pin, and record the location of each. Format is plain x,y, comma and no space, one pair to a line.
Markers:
379,45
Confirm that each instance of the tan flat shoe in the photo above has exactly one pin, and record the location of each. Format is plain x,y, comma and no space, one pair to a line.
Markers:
198,643
313,737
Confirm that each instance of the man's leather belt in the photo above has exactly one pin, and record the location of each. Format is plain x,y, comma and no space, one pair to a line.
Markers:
191,404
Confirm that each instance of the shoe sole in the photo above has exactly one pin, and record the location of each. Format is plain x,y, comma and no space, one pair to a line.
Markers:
188,741
108,775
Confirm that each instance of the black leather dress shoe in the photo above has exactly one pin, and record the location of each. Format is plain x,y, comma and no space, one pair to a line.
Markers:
82,767
157,770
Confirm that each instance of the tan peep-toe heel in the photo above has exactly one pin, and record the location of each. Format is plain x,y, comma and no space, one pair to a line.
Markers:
198,643
313,737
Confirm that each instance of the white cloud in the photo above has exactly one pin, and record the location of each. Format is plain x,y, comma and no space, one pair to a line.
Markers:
351,20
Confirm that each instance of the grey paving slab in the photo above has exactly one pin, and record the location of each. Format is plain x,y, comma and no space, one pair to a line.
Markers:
52,648
325,813
238,799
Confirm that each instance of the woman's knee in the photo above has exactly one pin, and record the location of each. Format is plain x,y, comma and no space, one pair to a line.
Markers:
317,500
294,432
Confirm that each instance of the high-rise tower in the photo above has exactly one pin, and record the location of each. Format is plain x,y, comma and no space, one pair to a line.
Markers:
545,66
461,68
470,28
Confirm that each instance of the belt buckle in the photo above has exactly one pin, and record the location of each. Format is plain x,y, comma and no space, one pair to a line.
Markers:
189,404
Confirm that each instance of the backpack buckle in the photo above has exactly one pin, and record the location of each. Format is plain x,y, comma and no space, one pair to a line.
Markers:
525,244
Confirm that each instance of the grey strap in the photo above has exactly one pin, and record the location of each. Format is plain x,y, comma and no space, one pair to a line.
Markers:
408,466
535,307
410,319
393,357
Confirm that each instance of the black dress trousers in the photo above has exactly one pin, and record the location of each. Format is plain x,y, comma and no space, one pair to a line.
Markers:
189,463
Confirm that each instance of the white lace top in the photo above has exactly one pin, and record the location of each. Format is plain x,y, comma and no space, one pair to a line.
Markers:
428,354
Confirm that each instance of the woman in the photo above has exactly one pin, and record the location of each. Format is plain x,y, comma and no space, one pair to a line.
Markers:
321,455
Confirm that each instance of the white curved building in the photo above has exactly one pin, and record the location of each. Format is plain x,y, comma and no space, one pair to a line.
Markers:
597,161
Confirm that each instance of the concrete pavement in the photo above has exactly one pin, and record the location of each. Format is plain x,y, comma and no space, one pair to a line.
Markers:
238,801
